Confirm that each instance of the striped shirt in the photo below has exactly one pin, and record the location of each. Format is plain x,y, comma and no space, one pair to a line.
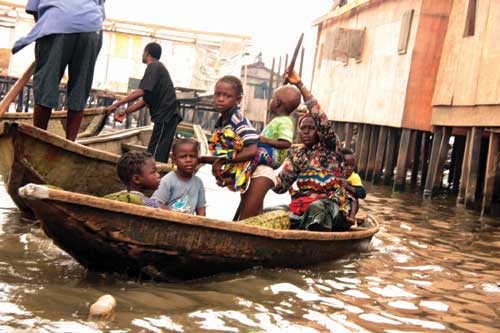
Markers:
240,125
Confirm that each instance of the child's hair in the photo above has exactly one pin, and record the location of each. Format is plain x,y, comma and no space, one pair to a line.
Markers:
234,81
130,164
184,141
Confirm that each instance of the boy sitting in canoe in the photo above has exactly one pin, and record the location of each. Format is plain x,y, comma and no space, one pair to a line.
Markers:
182,190
137,170
353,184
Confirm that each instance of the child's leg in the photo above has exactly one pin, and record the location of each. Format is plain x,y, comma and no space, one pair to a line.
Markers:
252,201
353,211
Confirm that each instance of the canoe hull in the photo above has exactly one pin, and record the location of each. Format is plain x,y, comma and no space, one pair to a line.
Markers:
143,245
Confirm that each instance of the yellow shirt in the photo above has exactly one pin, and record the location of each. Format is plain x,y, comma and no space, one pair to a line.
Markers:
354,179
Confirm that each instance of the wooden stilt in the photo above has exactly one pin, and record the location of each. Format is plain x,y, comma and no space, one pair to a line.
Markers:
436,142
465,169
348,135
392,144
457,166
424,162
434,177
404,144
456,163
491,173
473,168
379,160
416,157
357,133
359,140
363,150
372,153
341,132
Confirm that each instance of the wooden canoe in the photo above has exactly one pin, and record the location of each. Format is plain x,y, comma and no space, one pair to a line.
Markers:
31,155
111,236
118,142
92,123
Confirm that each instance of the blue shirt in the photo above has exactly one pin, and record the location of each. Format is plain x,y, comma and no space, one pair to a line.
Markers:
62,17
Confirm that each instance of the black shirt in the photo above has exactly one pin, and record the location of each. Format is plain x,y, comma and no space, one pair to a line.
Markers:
159,93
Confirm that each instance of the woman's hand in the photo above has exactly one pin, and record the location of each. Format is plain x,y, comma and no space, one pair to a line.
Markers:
293,77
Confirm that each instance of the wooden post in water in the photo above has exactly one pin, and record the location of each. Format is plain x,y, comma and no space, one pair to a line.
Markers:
416,157
424,163
348,135
379,159
473,168
492,166
404,145
459,150
438,157
359,140
392,140
436,141
465,169
363,150
372,153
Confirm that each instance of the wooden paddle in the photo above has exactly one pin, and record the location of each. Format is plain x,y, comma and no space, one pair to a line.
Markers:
16,89
294,57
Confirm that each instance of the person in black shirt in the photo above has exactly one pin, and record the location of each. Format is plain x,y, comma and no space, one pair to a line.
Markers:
158,93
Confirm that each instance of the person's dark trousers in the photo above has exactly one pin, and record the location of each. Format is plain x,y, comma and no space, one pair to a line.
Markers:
162,138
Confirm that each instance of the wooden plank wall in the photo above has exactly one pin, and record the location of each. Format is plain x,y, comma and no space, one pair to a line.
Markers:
431,32
373,90
469,73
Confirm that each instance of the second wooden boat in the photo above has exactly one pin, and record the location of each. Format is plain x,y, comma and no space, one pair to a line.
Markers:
31,155
137,139
92,123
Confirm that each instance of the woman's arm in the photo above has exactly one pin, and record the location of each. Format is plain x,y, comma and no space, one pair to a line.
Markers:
286,177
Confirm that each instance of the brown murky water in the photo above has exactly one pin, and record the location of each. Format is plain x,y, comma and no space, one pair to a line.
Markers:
433,267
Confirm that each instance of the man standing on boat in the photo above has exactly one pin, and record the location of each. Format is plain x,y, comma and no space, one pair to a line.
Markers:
158,93
68,33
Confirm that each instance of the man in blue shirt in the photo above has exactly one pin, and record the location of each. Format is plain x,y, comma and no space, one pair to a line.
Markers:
68,33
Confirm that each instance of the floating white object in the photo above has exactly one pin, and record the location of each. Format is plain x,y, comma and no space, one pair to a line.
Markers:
103,309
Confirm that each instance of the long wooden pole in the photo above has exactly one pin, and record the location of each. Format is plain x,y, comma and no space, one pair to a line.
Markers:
16,89
294,57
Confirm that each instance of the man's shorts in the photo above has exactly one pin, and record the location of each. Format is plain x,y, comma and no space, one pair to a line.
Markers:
267,172
53,53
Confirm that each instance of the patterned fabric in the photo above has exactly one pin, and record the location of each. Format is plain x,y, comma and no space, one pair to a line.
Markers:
124,196
240,125
316,169
272,220
133,197
280,128
226,143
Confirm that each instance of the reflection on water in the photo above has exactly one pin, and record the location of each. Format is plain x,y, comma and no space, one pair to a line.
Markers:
433,267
